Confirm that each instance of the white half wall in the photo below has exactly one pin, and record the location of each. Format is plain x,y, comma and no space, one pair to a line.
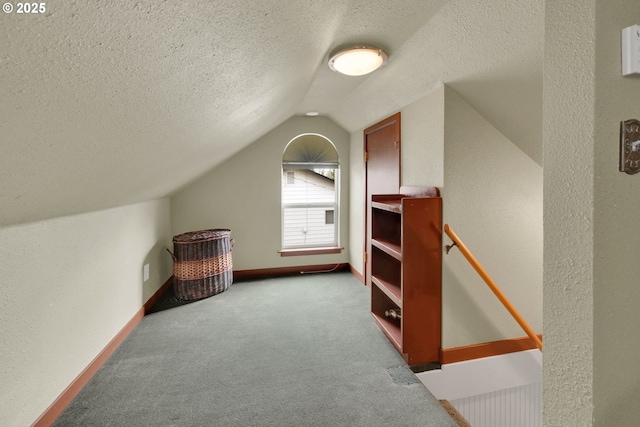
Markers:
243,195
68,286
486,375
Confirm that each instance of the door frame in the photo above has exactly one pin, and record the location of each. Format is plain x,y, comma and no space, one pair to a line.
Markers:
389,121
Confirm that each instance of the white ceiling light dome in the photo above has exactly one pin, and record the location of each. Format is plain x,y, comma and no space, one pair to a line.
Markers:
358,61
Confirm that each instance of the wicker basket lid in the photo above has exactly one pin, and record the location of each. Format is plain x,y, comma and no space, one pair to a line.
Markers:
202,235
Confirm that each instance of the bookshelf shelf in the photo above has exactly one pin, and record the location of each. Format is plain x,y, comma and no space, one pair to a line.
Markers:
406,273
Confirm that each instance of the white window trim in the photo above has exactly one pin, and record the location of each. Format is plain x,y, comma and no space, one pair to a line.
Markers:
335,206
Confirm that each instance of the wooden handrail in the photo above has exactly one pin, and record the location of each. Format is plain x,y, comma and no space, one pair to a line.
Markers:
496,290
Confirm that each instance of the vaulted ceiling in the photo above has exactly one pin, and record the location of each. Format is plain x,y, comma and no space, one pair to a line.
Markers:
107,103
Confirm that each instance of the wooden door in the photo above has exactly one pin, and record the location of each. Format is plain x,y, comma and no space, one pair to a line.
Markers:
382,171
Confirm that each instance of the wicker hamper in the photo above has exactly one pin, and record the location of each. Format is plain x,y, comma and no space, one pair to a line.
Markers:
202,264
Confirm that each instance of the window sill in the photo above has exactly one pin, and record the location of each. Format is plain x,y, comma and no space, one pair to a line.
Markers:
311,251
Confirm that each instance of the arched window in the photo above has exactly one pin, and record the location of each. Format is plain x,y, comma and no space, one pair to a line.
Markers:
310,171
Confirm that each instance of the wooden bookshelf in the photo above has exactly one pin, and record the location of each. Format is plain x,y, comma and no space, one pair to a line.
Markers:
406,272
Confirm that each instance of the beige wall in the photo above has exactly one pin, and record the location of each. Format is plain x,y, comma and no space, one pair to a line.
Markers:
492,197
243,195
356,202
422,140
590,255
568,214
422,134
68,286
617,286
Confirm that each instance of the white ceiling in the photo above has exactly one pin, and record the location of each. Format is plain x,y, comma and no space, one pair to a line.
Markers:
109,103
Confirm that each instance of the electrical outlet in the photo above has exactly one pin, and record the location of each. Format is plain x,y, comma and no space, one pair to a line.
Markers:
145,273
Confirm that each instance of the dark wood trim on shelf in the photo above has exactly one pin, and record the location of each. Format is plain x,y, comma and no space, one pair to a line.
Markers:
55,409
285,271
391,331
488,349
405,255
311,251
388,247
391,205
392,291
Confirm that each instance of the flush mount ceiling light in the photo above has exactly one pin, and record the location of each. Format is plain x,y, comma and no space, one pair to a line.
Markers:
358,61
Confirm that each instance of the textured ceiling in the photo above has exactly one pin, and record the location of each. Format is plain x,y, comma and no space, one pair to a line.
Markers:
107,103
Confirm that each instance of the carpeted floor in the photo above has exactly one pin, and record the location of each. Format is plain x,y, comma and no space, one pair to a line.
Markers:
294,351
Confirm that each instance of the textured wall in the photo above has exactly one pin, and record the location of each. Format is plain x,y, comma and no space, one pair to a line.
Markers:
243,194
590,285
616,293
569,121
68,286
